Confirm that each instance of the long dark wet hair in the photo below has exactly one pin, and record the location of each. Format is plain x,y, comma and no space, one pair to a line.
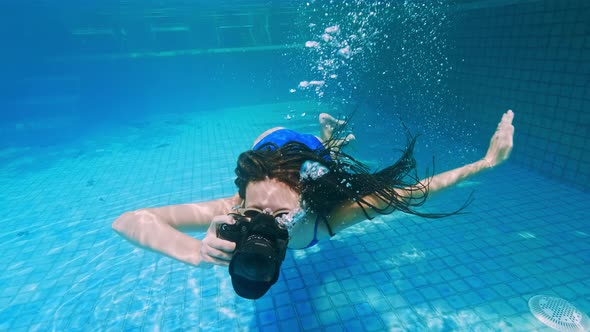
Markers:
347,180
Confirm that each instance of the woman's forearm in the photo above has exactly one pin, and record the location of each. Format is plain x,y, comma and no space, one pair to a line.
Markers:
452,177
143,229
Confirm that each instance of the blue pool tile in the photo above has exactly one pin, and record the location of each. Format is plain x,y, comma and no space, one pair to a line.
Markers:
357,270
565,291
346,313
364,281
379,277
397,301
286,312
317,291
372,292
223,325
356,296
372,267
380,306
391,321
306,269
328,317
333,328
295,283
413,323
445,289
403,284
170,324
312,280
434,278
483,327
281,299
304,308
458,302
289,325
486,313
438,264
322,267
474,282
339,299
502,276
418,281
299,295
429,293
448,274
414,297
387,289
354,326
473,298
322,303
534,283
441,252
309,322
462,271
503,308
333,287
264,304
349,284
519,286
267,317
409,270
363,309
373,323
395,274
504,289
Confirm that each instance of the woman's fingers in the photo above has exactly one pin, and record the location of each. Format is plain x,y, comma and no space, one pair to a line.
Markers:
222,245
217,221
506,120
509,116
215,250
502,140
216,256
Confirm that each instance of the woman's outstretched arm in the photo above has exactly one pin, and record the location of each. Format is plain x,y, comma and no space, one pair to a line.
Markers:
159,230
499,150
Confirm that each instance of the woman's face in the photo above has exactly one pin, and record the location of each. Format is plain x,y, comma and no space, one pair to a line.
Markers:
271,194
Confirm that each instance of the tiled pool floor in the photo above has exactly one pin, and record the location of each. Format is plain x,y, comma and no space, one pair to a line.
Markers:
63,268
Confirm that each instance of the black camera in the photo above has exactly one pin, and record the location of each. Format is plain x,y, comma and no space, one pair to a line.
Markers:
261,244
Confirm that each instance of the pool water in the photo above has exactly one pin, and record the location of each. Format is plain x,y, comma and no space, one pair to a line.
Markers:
65,269
113,106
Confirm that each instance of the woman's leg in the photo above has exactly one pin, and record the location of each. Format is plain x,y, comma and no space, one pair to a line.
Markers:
327,125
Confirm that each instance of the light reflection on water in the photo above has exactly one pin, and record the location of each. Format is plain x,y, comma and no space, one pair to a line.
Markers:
119,293
115,287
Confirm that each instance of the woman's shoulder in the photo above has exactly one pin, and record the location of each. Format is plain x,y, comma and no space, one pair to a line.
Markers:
308,232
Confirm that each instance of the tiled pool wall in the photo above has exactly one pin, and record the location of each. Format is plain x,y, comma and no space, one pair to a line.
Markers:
533,57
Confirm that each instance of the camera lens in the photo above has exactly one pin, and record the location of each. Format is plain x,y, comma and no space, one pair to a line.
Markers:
255,267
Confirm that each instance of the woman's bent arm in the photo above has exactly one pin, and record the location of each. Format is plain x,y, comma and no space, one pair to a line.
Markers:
143,229
156,229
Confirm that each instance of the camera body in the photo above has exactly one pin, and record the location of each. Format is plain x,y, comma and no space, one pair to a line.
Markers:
261,245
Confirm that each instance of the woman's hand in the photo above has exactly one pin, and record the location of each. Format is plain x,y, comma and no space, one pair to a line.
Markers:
501,142
215,250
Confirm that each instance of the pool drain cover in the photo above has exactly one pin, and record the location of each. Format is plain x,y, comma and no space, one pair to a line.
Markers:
558,314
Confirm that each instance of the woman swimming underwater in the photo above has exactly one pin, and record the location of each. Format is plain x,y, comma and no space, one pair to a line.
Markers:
302,184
